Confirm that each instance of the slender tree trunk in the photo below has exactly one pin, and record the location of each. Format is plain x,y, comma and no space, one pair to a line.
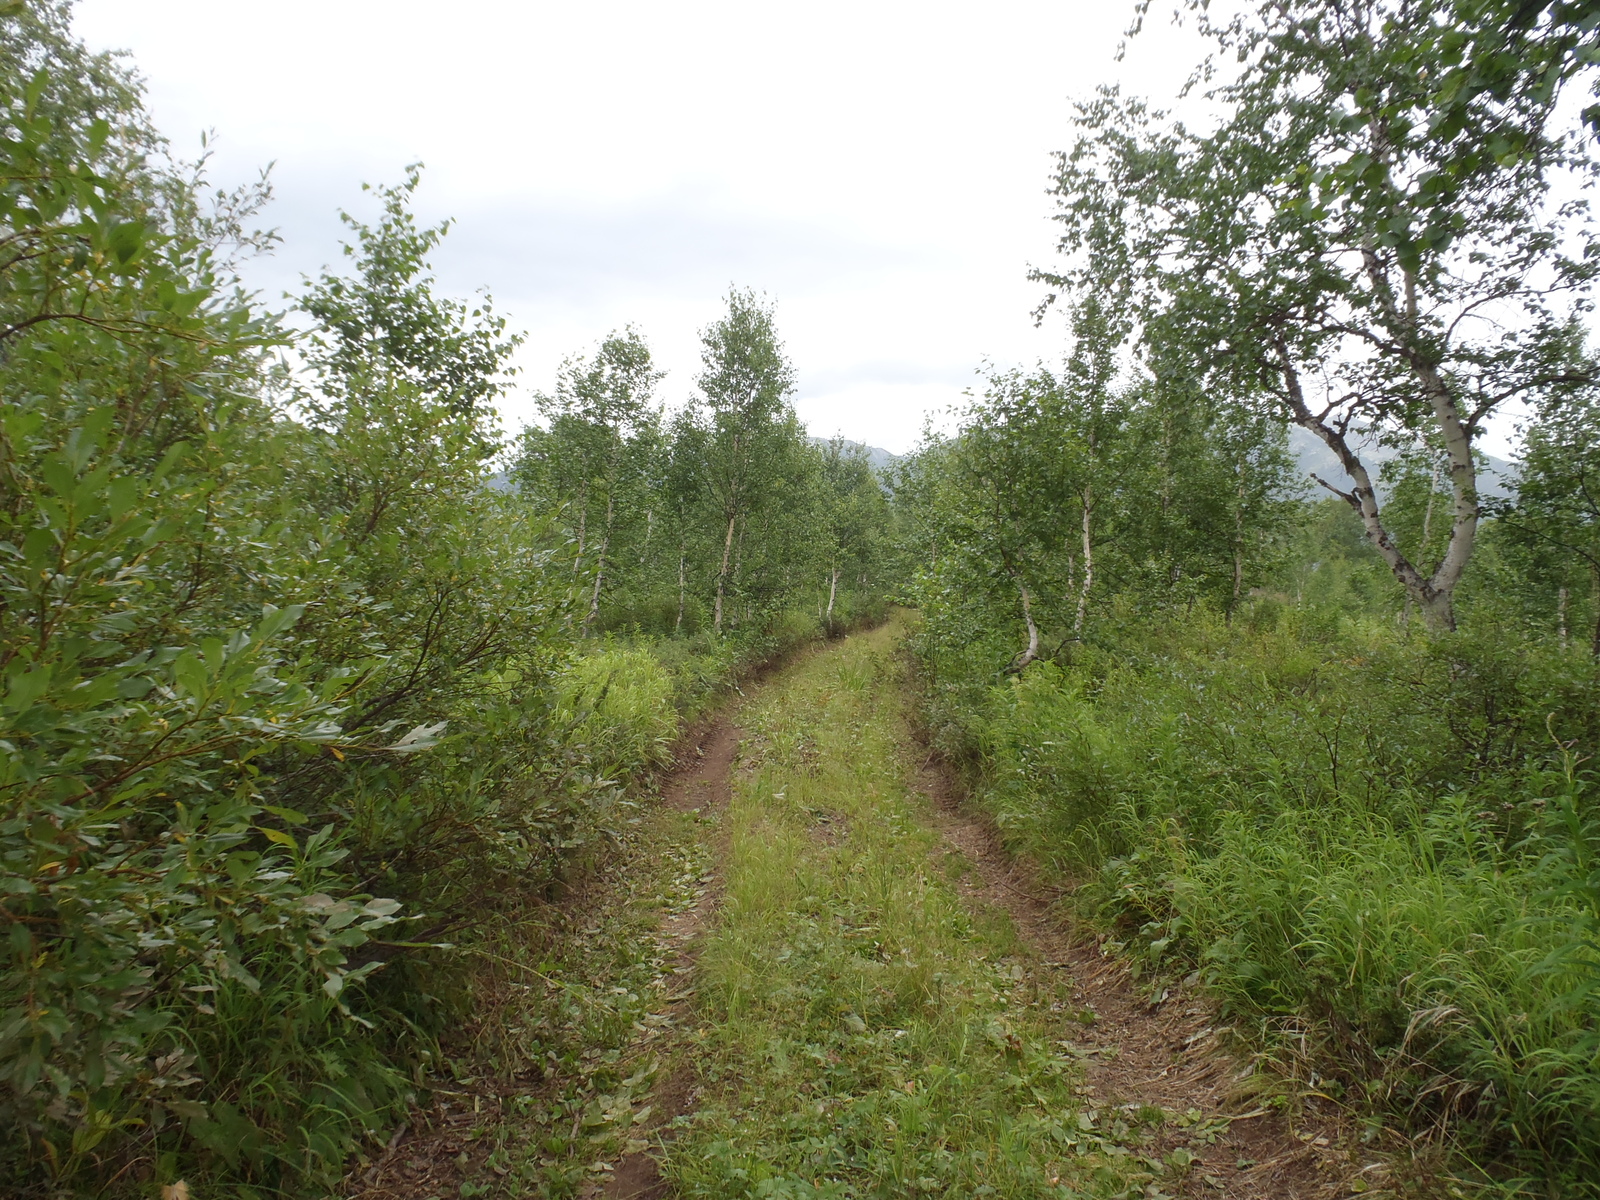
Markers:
600,567
1463,493
681,592
1088,559
738,576
833,590
583,525
1561,615
1432,594
1032,652
722,576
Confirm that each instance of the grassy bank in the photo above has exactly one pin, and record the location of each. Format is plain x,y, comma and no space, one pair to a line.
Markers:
1389,841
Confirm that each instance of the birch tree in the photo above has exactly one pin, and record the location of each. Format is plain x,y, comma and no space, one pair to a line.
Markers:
745,385
853,513
1329,253
595,449
1016,480
1554,521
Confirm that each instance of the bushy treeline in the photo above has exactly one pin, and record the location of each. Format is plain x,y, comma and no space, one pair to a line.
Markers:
296,712
1059,492
720,515
1331,756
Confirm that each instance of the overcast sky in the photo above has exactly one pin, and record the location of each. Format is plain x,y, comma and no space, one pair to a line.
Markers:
878,168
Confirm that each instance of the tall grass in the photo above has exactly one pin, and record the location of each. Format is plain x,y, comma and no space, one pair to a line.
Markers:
1389,841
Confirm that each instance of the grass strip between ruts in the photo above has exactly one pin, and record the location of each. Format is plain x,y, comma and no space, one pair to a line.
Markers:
861,1033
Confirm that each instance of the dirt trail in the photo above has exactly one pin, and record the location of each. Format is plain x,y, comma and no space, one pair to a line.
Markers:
1162,1052
1136,1054
701,785
449,1143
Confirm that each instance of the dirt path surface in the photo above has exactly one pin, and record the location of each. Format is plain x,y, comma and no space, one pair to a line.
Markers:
635,1058
701,786
1163,1050
645,905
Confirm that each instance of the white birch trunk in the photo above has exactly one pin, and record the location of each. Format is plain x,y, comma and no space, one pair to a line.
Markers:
682,594
600,568
722,577
1088,560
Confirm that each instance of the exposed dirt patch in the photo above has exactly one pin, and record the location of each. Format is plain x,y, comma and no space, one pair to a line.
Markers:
444,1144
1166,1050
829,828
702,785
706,766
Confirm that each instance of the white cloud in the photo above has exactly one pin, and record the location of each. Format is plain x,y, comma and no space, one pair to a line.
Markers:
878,168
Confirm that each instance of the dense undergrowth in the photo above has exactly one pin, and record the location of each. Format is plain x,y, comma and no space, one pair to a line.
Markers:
1388,841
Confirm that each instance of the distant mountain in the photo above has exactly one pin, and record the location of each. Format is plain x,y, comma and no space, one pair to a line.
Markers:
876,455
1498,479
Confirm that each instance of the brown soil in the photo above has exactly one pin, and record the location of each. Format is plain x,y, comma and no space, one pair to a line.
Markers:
1163,1047
432,1152
438,1146
701,785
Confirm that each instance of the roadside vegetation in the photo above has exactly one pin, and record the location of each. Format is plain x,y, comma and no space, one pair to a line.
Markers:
301,710
1332,756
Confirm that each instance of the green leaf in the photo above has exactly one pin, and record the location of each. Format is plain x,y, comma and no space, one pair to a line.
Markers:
277,836
275,620
126,241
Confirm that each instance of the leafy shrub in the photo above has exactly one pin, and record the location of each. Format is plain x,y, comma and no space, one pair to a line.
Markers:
275,691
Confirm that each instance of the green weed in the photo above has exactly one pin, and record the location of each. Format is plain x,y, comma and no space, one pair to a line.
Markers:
1389,842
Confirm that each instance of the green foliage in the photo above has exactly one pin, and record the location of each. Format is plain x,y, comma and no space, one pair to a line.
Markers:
1058,499
719,515
1332,251
287,692
385,328
601,456
1387,841
619,704
1551,530
1381,838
